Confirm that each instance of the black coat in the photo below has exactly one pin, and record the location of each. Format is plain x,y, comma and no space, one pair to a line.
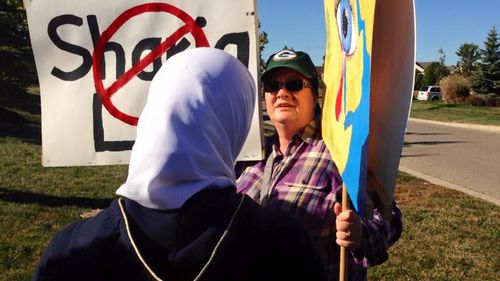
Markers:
260,245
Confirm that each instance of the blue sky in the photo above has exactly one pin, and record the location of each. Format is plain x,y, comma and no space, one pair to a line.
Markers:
440,24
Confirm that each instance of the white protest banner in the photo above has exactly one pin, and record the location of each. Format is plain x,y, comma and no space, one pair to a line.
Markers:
89,113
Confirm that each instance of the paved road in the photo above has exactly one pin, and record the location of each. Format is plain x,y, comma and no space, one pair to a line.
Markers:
466,159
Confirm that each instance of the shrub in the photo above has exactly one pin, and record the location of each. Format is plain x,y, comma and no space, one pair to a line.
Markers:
490,102
459,100
474,100
453,87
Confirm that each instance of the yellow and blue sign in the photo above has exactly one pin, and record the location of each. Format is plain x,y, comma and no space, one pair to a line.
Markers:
346,108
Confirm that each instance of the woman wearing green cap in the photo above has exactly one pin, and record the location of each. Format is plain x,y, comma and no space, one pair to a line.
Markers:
299,176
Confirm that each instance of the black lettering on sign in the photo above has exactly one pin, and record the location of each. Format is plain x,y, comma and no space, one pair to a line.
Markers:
143,45
242,42
99,143
84,68
110,46
177,48
240,39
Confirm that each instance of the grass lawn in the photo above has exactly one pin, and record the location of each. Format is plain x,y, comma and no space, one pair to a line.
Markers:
459,113
447,235
35,202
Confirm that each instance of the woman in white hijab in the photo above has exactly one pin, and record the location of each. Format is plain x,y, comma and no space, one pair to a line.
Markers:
180,217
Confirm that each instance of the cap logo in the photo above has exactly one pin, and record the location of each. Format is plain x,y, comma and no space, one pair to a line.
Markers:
285,55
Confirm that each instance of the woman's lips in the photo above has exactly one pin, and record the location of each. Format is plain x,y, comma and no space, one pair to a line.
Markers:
285,105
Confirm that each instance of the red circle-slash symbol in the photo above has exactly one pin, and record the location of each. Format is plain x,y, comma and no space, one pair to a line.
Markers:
190,26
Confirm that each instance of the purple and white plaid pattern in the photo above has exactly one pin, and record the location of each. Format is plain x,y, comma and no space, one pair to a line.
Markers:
305,182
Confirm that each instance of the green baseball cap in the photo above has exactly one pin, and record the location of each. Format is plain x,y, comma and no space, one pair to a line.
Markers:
298,61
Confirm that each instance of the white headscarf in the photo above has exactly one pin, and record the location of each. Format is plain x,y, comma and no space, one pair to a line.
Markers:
194,124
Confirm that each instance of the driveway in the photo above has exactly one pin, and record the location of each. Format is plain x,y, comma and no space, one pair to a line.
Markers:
466,159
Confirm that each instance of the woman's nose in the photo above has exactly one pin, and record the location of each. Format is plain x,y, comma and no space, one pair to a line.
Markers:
283,93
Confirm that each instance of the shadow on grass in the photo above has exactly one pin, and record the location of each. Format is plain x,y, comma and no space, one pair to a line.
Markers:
442,105
414,155
21,100
427,134
12,124
408,143
25,197
25,130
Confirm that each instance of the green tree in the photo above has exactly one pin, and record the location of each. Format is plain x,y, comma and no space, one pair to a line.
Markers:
486,79
469,55
17,68
442,56
262,45
434,72
418,80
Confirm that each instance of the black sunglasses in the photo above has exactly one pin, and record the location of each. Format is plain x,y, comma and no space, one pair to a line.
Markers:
293,85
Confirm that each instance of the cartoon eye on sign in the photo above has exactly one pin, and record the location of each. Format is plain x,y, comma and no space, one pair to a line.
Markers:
346,24
348,40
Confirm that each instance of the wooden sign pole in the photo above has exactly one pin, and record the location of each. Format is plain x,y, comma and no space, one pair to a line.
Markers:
343,251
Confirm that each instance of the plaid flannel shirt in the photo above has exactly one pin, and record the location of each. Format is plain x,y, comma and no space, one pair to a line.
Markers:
306,183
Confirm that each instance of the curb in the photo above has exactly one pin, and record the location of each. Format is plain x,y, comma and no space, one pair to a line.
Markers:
450,185
489,128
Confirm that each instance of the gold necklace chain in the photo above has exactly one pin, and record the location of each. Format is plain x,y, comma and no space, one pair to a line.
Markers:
138,253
